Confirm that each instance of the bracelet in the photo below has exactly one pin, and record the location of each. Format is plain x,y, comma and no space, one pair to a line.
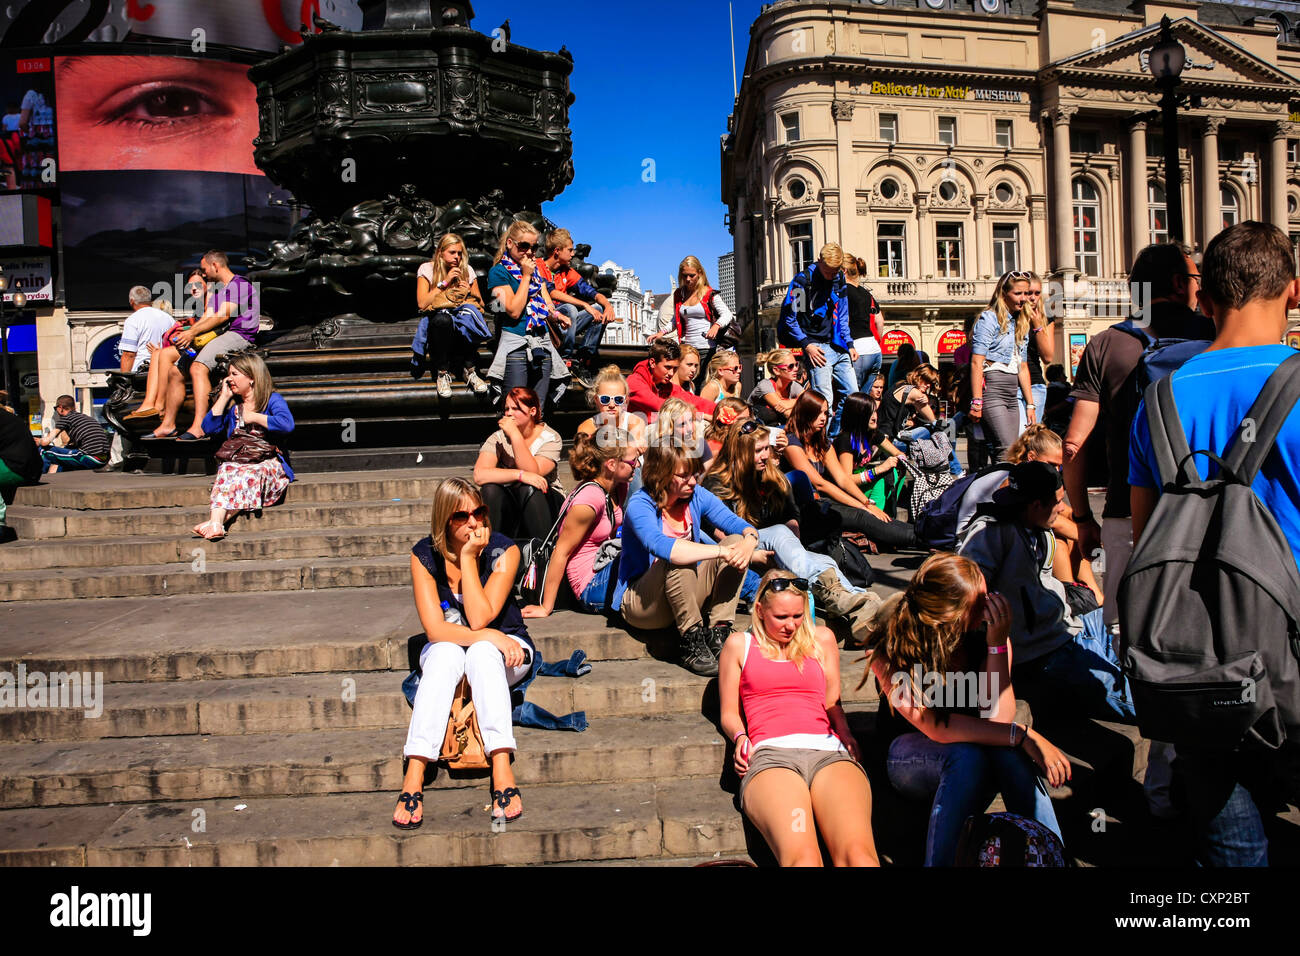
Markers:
976,401
1039,329
998,648
739,734
871,475
1030,405
520,479
1024,734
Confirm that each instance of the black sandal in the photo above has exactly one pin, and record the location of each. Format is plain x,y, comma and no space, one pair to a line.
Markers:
410,803
502,799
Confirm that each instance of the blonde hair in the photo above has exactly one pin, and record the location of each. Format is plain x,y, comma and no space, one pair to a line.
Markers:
767,360
671,413
446,500
1036,440
557,239
252,365
440,267
832,254
702,282
589,453
606,376
518,229
164,305
853,266
803,643
998,304
692,350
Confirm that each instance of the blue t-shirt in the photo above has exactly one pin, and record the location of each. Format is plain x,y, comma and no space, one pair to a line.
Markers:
1213,392
498,275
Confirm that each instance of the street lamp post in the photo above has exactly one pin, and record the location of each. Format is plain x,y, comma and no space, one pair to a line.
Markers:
1166,61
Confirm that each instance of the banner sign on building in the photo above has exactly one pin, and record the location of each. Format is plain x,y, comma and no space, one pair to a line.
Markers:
952,92
895,339
30,276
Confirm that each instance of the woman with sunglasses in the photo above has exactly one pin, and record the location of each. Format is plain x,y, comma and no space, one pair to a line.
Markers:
609,394
842,505
999,366
670,572
794,751
746,477
518,469
526,353
723,377
464,574
1041,349
950,751
167,354
591,518
774,396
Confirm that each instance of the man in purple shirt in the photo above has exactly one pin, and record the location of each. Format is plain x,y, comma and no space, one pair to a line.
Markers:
233,308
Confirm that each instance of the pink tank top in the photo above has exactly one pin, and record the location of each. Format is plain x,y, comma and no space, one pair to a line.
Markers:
778,699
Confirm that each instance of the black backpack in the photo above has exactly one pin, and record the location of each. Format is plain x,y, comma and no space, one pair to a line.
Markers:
942,521
535,554
1209,605
1160,357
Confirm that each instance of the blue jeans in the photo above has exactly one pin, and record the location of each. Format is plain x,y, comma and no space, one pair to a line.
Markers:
908,435
1082,678
582,337
835,376
1224,794
865,367
1040,401
794,557
961,780
598,590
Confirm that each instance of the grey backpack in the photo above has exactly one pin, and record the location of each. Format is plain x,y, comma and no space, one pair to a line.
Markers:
1209,606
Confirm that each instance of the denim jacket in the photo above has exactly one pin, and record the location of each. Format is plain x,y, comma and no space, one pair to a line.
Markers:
995,345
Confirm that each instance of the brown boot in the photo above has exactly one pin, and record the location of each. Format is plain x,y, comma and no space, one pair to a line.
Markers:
857,608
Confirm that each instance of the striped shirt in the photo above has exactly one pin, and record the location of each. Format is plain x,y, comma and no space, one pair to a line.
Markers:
84,433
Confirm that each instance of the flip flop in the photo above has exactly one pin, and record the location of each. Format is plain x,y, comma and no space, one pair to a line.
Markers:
502,799
171,434
410,803
190,436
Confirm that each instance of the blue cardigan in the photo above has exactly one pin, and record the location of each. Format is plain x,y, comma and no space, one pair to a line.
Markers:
644,539
279,424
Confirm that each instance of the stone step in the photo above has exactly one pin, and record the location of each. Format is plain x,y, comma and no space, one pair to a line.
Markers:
185,637
647,820
359,701
33,524
245,543
195,768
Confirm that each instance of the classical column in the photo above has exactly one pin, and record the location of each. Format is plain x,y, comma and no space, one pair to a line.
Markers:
1136,174
1277,176
1211,214
982,240
842,115
1063,258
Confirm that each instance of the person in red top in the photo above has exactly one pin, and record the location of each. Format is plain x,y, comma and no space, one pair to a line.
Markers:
651,382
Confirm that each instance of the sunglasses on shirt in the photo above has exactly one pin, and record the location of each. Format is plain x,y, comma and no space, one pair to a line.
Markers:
460,517
615,400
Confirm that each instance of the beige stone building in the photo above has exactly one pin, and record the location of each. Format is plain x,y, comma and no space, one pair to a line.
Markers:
948,141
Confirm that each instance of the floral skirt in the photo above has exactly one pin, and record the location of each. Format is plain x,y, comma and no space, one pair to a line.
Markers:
249,487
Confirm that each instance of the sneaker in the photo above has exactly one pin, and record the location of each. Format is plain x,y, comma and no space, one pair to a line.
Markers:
475,382
718,635
444,385
696,656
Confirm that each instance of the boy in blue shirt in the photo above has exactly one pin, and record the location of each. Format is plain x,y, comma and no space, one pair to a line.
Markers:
1248,284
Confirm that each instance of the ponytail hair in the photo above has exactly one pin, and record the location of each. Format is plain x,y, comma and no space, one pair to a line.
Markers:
589,453
766,360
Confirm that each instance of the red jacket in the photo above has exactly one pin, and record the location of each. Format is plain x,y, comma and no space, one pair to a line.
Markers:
646,397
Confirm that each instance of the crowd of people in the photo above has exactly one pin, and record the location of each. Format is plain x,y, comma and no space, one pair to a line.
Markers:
695,505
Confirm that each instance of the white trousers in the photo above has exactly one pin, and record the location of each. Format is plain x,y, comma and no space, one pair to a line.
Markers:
442,666
1117,542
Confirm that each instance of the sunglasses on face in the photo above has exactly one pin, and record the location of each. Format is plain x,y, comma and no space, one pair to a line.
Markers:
631,462
787,367
460,517
524,246
784,584
615,400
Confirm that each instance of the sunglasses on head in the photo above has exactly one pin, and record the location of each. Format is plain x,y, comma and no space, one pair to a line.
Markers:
611,399
784,584
460,517
749,426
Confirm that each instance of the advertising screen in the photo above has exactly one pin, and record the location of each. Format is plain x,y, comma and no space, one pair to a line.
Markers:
27,123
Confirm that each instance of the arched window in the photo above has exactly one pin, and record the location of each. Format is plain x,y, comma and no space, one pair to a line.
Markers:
1228,205
1157,213
1087,228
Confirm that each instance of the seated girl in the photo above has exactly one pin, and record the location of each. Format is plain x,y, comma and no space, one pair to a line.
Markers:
726,413
954,752
906,414
795,753
746,478
452,327
868,456
774,397
723,377
689,368
608,395
670,573
845,507
518,469
591,517
463,575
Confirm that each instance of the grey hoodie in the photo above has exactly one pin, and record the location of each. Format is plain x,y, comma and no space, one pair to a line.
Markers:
1017,563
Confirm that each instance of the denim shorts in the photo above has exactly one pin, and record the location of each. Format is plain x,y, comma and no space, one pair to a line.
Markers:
805,763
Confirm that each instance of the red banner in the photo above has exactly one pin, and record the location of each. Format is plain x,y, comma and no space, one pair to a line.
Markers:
893,339
951,341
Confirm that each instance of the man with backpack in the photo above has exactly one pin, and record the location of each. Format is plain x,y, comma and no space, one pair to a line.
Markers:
1211,599
1106,392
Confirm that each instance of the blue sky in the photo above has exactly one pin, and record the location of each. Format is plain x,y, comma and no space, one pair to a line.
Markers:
653,82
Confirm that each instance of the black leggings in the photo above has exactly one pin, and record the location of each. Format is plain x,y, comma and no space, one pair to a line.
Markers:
825,521
518,510
448,349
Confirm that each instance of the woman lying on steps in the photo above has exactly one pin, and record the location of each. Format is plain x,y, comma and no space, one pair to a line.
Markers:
463,575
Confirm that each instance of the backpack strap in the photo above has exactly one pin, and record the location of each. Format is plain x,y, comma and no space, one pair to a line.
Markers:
1276,401
1168,440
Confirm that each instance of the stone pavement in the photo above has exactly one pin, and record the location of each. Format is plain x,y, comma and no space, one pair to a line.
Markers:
251,711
